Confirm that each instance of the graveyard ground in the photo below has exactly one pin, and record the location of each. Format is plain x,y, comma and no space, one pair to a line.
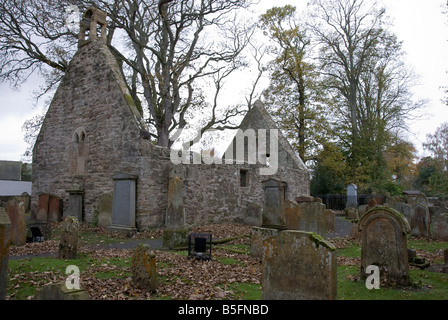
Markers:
104,260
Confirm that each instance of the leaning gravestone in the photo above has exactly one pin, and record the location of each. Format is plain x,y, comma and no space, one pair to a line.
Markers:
298,265
5,225
124,203
68,247
143,267
384,244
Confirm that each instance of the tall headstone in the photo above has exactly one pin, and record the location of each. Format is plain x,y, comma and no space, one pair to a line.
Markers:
68,247
175,234
5,225
352,196
420,220
15,208
273,215
105,210
384,244
299,265
274,204
75,202
42,207
55,209
124,203
440,226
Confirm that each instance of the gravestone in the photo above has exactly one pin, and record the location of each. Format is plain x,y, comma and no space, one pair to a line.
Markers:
330,220
54,209
105,210
384,244
42,207
59,291
68,247
175,234
352,196
420,220
272,217
5,225
274,203
440,226
124,202
75,202
306,216
298,265
143,267
15,208
252,214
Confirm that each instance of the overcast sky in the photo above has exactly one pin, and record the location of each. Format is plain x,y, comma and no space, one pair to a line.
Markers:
420,24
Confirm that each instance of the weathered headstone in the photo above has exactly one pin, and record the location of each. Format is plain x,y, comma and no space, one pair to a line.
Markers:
15,208
59,291
420,221
175,213
5,225
42,207
274,201
75,202
175,234
124,203
143,267
306,216
330,218
105,210
352,196
68,247
252,214
54,209
273,215
298,265
352,213
384,244
440,226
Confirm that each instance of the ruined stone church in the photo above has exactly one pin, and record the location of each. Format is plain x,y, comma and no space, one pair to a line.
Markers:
92,132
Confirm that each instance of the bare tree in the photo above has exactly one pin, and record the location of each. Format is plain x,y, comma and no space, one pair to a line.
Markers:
169,48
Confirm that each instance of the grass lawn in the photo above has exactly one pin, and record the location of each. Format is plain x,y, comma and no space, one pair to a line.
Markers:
231,274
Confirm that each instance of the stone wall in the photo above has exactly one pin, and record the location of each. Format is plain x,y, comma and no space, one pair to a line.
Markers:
93,131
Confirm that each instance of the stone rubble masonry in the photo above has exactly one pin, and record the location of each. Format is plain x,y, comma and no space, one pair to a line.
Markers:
93,130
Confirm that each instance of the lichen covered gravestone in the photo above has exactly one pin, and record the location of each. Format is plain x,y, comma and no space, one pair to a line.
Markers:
15,208
68,247
298,265
384,244
143,267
